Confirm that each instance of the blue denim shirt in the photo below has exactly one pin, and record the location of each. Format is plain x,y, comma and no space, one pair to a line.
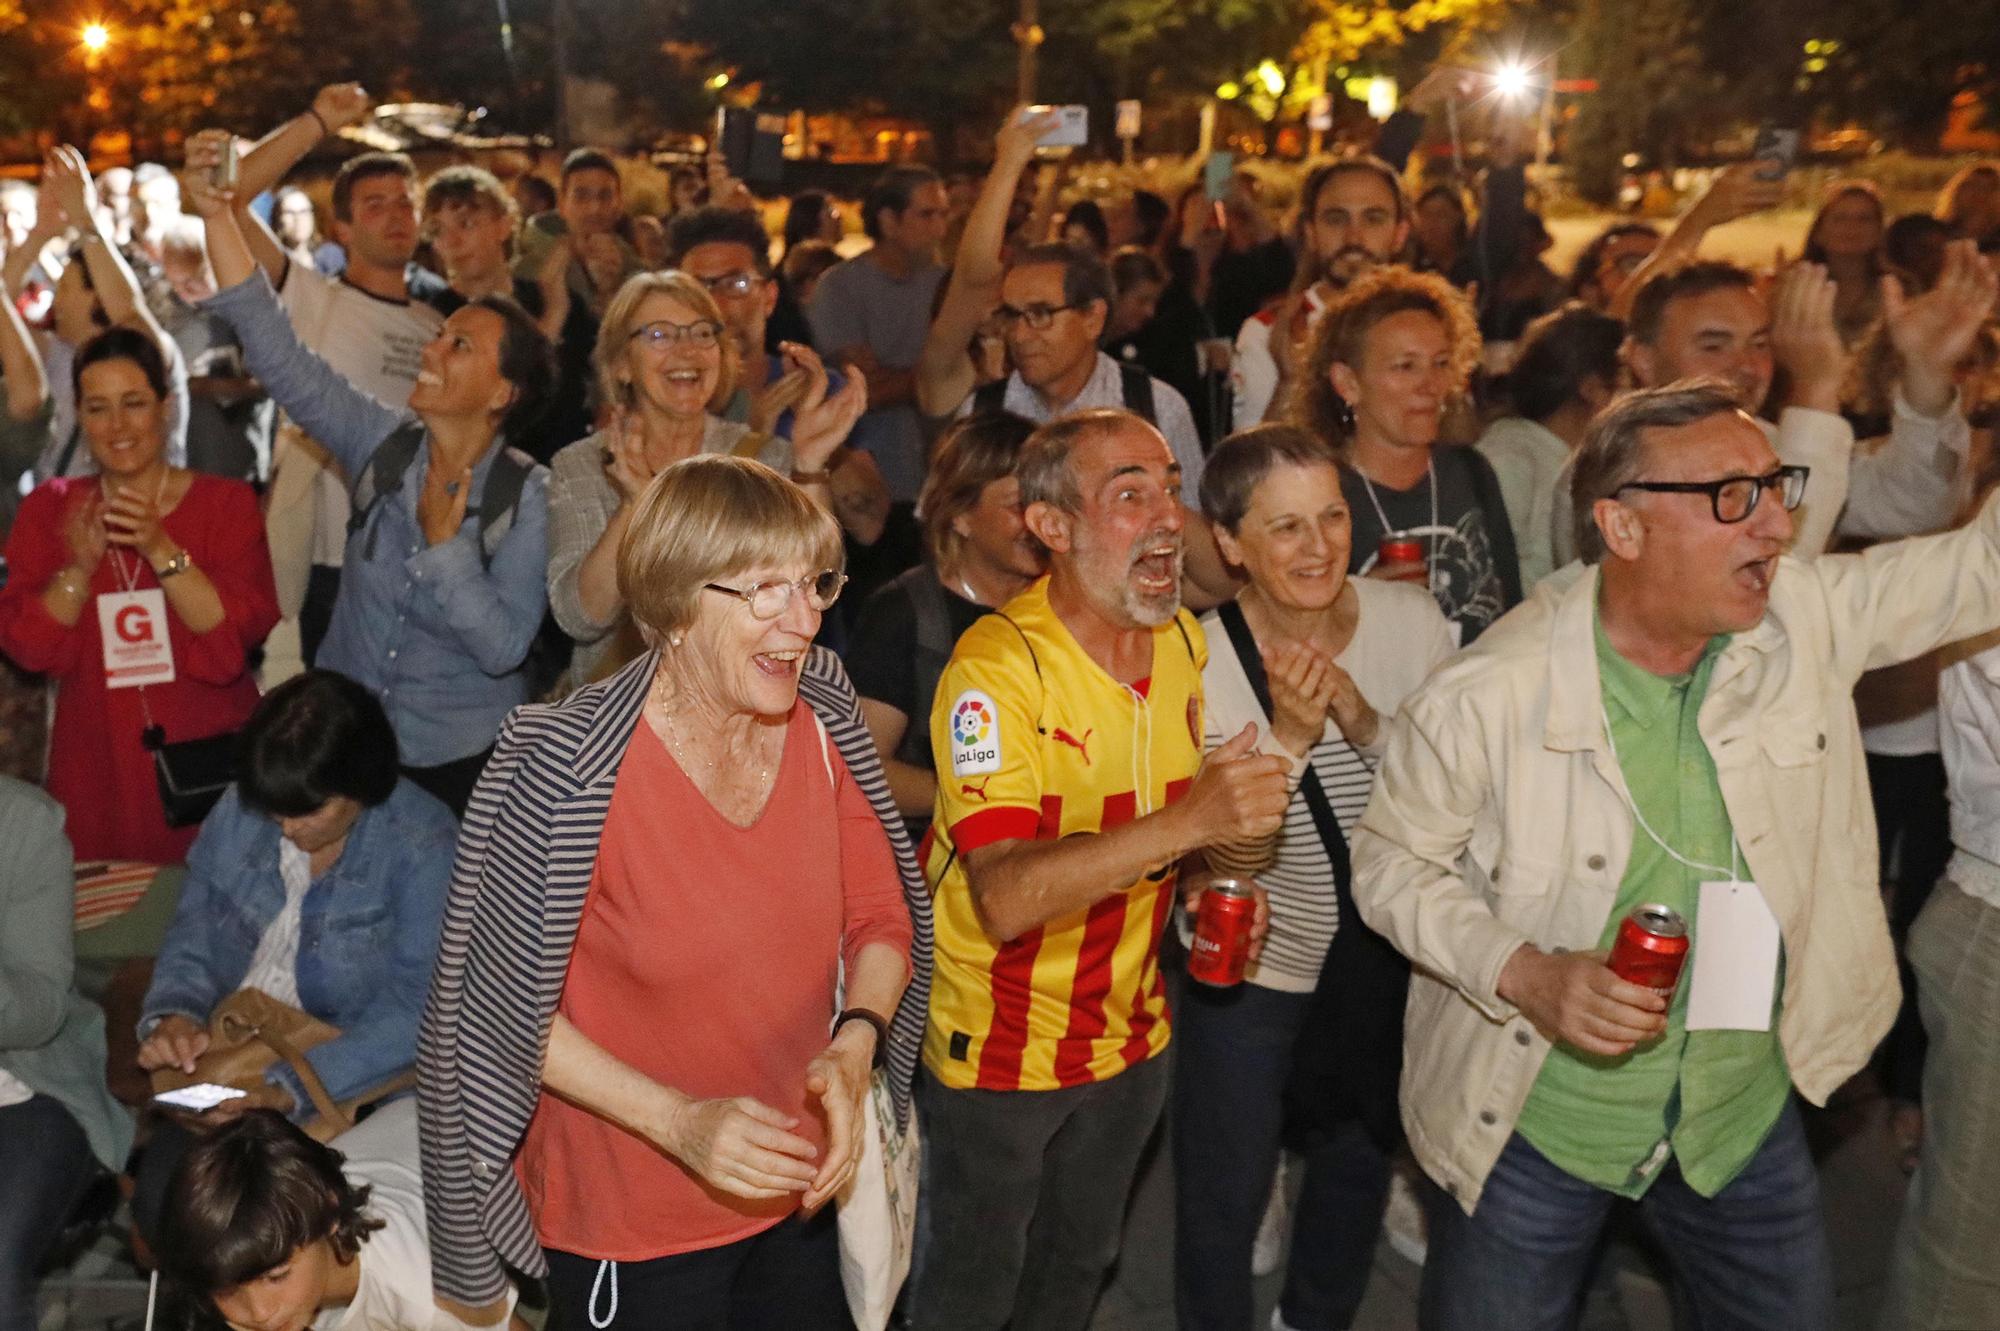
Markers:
435,634
368,932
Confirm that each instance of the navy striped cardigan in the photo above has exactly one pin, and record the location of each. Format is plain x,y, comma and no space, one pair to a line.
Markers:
517,892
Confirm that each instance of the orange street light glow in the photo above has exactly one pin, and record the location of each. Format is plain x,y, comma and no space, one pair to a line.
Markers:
96,37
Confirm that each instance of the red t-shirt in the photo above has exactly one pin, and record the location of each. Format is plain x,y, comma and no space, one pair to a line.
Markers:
705,959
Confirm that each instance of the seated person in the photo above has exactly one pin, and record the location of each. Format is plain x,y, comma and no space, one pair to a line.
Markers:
265,1227
320,879
58,1124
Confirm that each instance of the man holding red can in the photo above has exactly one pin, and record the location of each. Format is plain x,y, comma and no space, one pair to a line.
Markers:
1667,741
1072,722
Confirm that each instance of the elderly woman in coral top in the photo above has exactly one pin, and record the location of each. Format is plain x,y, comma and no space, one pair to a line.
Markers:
701,863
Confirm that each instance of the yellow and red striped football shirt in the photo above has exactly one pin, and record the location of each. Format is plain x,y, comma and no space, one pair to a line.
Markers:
1035,740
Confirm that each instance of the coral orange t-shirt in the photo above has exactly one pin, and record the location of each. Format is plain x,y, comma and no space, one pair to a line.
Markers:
705,959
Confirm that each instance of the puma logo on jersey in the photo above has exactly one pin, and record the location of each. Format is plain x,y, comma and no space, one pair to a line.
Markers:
977,792
1082,746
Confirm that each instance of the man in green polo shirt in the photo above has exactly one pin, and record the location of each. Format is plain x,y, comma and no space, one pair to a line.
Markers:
1673,726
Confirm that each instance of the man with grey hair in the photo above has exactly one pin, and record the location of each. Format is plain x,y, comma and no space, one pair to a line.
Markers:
1054,300
1076,787
1674,729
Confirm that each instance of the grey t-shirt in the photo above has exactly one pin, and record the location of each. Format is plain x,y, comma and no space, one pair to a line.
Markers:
859,304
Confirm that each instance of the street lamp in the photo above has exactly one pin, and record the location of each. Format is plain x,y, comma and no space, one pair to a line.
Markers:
96,36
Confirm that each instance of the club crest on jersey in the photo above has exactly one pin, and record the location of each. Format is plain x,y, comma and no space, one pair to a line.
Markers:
975,734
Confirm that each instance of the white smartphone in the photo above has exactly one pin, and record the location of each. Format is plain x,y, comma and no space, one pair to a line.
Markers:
200,1097
1072,129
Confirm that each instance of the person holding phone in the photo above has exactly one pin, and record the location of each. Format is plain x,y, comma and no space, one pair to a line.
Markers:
320,880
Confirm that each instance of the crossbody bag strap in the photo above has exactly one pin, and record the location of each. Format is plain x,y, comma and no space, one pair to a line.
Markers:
1321,808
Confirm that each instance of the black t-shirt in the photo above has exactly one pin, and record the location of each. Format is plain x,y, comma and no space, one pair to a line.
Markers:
1240,284
882,649
1467,553
1167,347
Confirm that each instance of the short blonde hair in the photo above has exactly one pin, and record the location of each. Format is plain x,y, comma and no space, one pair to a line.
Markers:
706,519
621,320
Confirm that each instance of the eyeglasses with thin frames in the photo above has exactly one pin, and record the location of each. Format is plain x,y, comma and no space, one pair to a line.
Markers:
1734,498
767,600
704,333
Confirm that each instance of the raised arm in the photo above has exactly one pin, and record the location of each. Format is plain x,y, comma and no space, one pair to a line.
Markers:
336,106
945,375
66,182
20,363
1736,191
346,420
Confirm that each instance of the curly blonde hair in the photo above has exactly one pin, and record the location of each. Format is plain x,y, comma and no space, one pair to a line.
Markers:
1342,338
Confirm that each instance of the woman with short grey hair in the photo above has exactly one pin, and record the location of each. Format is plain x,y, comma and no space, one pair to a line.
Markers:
687,858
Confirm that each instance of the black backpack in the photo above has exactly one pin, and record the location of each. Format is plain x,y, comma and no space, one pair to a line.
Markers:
383,475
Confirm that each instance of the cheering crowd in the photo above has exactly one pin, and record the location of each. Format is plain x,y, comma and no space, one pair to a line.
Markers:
698,760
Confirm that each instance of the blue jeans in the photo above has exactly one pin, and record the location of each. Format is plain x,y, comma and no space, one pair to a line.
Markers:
1754,1256
45,1165
1232,1056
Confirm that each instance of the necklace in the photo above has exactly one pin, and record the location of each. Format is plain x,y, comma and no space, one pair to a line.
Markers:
1431,483
683,753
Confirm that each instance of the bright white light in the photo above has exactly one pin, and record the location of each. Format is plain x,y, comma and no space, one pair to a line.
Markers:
1511,81
95,37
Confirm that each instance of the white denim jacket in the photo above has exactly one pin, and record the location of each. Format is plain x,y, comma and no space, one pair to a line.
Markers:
1499,818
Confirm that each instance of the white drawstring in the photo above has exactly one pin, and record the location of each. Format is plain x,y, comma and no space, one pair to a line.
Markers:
611,1316
152,1294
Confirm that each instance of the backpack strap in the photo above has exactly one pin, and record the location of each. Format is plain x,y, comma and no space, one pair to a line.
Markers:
1035,661
382,475
500,501
1137,386
990,398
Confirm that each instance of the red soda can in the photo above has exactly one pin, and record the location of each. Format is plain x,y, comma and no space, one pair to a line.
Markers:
1652,948
1397,549
1222,933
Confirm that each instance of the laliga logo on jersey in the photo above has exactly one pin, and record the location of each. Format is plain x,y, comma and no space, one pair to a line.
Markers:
975,734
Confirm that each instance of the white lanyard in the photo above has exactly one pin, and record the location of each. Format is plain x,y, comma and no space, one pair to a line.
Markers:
1430,476
1735,857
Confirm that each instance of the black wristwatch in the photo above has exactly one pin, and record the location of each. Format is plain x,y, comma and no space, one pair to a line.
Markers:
874,1019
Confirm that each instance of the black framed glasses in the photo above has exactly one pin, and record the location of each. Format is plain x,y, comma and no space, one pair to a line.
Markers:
767,600
704,333
1036,317
1735,498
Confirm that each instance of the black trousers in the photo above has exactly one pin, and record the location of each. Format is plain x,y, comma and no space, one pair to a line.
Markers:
452,782
1913,832
785,1278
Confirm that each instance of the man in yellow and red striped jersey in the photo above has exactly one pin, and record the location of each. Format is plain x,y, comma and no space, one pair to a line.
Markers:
1074,788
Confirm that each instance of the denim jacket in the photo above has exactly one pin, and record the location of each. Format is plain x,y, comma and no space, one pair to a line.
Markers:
368,933
433,631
